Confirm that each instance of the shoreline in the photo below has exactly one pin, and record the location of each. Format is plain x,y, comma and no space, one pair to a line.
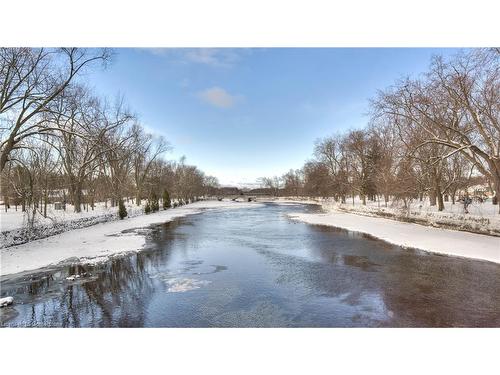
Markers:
408,235
97,242
425,237
471,223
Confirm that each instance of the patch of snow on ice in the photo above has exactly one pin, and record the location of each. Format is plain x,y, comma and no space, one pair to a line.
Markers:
179,285
6,301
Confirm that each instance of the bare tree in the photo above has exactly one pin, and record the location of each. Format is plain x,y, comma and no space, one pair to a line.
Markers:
456,105
145,149
30,80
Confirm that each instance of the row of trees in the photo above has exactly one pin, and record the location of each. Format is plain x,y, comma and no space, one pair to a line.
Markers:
59,141
432,136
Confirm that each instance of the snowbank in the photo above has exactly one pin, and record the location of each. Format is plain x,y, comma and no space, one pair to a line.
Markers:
6,301
15,232
436,240
290,201
13,219
482,218
98,241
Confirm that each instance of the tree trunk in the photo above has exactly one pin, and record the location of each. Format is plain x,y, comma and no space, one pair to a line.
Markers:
45,197
494,165
438,195
496,184
440,199
432,197
45,204
4,157
77,197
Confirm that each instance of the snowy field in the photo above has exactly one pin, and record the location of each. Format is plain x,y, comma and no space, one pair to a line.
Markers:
13,219
436,240
486,209
482,218
98,242
15,231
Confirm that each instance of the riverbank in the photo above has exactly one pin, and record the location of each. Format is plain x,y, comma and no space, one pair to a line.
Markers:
483,218
99,241
409,235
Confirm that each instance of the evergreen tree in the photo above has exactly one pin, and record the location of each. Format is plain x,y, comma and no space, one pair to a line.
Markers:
155,205
122,211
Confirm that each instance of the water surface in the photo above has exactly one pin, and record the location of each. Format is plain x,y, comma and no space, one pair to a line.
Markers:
257,268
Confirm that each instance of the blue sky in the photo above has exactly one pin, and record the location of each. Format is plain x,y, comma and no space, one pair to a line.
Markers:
240,114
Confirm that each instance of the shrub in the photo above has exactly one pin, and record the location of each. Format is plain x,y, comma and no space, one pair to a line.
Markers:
155,204
122,211
166,200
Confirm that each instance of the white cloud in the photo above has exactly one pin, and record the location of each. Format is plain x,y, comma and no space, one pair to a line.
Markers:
212,56
218,97
217,57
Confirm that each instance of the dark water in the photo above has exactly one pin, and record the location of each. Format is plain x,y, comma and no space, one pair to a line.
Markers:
256,268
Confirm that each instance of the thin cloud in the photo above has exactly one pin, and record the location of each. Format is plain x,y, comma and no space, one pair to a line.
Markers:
213,56
216,57
218,97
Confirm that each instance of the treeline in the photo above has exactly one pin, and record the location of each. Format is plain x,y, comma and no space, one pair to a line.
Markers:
61,142
431,136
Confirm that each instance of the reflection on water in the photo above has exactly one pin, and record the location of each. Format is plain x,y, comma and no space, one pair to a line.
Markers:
256,268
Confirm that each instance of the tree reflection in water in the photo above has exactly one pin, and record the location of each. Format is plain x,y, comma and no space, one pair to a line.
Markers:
106,294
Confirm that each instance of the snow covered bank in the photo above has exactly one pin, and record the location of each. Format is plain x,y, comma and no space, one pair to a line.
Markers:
98,241
483,218
15,232
7,301
436,240
13,219
290,201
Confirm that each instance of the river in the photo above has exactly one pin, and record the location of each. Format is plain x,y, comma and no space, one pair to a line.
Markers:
254,267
